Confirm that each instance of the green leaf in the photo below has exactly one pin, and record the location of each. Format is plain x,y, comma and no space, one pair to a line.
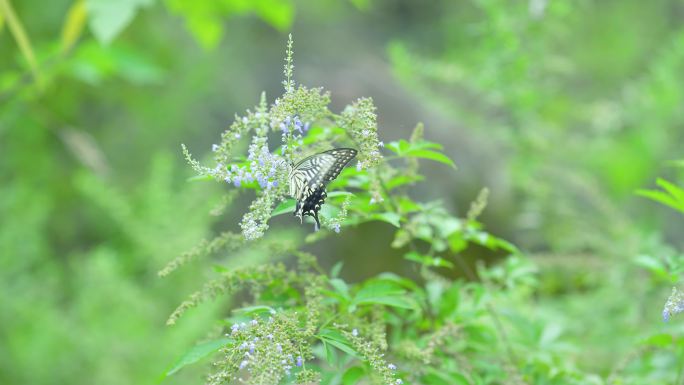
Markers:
427,260
73,25
383,293
285,207
277,13
661,197
108,18
197,353
353,375
335,271
250,310
391,218
676,191
662,340
198,178
336,339
341,287
432,155
439,377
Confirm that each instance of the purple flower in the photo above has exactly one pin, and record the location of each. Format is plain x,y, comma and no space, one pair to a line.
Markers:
270,337
237,136
381,144
235,328
251,348
279,348
336,227
307,125
254,322
236,182
243,364
398,381
300,361
392,367
215,147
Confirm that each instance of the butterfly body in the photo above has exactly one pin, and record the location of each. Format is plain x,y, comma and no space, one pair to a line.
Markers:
309,177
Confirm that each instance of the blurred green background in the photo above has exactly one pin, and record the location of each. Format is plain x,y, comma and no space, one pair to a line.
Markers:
562,108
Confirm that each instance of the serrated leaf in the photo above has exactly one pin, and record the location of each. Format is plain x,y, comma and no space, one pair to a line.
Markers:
197,353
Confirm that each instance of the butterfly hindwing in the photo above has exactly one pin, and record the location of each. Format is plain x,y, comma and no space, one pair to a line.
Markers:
309,177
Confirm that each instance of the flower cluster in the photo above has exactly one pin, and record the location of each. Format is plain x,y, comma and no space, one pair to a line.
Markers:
674,304
373,354
360,121
265,350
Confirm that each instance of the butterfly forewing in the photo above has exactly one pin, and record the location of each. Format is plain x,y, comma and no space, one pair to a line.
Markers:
309,177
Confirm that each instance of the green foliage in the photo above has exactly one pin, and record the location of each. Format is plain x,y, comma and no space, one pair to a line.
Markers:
672,196
562,109
319,326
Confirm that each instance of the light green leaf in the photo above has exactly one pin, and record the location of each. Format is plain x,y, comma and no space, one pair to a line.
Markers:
432,155
427,260
335,271
73,25
277,13
391,218
197,353
662,197
674,190
341,287
108,18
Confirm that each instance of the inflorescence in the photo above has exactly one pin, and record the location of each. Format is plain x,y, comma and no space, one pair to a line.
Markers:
293,116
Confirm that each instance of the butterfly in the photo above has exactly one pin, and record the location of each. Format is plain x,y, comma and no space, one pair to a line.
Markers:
309,177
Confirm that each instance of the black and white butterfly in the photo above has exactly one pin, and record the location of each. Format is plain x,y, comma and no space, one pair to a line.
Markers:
309,177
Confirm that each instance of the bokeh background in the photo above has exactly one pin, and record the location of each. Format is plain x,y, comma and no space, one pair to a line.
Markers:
561,108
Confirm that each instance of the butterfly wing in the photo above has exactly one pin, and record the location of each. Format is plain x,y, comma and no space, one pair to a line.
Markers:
309,177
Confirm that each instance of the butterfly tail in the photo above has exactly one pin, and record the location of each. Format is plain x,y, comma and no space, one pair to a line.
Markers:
317,226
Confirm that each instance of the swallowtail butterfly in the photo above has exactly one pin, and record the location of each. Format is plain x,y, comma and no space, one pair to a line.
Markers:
309,177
